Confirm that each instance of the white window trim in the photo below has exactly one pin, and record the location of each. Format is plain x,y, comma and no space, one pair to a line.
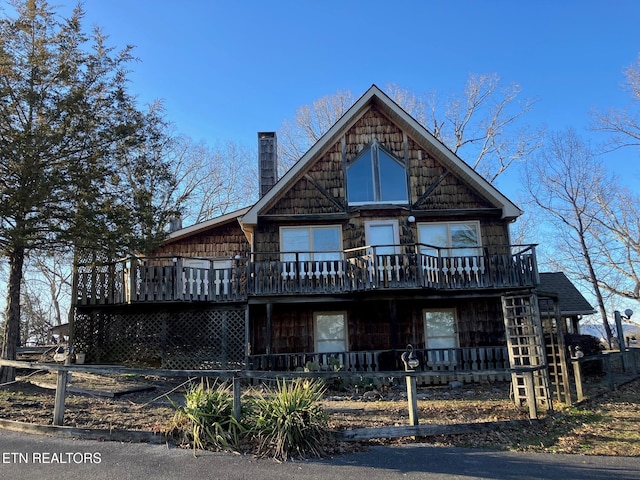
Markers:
315,329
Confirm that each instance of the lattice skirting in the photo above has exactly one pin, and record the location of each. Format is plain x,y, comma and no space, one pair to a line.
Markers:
165,338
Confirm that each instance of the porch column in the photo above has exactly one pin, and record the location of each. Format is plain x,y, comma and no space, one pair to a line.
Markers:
393,323
269,339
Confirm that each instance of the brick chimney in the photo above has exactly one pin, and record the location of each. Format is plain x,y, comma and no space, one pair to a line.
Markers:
267,161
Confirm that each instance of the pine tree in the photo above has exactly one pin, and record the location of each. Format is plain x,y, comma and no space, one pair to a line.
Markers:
76,154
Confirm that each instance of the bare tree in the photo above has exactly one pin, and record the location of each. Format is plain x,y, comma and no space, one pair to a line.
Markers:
618,238
481,125
619,224
562,181
623,125
296,136
211,180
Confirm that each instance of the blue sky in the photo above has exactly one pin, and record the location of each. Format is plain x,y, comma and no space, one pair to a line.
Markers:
228,69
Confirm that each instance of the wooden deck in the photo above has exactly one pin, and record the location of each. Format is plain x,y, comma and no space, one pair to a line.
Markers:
139,280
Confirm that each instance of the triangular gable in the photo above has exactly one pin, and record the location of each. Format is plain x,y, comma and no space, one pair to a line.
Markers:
375,96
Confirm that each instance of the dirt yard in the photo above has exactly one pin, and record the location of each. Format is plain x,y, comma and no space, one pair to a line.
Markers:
607,425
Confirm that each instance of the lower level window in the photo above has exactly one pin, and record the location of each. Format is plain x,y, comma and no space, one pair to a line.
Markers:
330,332
440,328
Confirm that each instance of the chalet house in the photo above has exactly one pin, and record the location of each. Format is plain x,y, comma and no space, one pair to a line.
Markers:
377,238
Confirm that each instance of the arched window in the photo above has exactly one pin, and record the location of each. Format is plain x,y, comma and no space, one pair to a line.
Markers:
376,176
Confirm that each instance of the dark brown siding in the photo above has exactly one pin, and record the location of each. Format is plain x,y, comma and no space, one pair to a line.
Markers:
225,240
370,327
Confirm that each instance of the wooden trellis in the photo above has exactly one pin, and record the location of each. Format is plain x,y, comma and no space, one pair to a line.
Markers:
554,330
212,338
527,352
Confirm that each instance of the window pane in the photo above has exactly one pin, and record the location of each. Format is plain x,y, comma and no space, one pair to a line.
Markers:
464,236
383,234
331,346
330,327
330,332
440,329
435,235
440,323
360,179
441,342
295,240
393,179
326,239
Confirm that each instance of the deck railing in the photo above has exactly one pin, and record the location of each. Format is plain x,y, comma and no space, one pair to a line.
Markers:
161,279
446,360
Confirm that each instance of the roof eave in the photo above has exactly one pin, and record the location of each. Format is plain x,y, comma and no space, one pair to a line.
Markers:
202,226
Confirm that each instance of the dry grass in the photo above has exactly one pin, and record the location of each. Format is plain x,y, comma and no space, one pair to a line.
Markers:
606,425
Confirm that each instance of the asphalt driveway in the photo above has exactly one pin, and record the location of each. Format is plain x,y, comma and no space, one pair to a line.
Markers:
24,456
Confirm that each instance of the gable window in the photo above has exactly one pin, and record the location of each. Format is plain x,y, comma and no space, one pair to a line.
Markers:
454,238
330,332
311,243
376,176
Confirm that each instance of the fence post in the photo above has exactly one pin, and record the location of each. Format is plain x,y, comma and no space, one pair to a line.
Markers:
531,394
634,365
577,374
237,397
607,364
410,363
61,393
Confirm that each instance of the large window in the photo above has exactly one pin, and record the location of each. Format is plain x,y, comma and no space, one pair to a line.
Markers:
376,176
330,332
312,243
454,238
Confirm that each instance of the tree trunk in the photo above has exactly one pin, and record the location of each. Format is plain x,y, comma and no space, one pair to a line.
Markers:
12,325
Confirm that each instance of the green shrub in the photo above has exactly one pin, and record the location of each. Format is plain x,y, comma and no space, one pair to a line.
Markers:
206,420
289,420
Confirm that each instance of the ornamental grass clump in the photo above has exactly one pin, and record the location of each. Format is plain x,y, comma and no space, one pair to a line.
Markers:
289,421
206,421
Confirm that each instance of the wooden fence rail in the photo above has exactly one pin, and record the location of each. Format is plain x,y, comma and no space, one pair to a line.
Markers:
233,375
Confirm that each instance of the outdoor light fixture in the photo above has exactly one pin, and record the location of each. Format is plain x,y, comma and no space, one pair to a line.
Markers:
411,219
576,352
410,360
